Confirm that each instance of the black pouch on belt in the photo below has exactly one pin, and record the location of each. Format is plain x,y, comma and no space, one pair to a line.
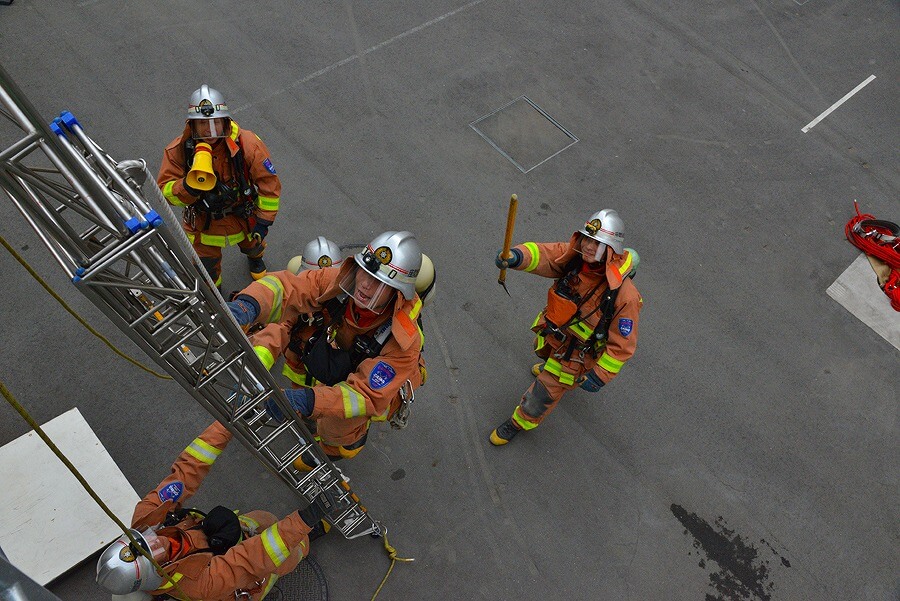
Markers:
222,529
326,364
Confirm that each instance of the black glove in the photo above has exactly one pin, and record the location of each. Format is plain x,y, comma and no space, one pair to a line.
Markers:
592,382
324,503
510,263
260,229
188,189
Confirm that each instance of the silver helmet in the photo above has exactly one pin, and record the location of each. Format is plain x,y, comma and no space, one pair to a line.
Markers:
207,103
607,228
394,258
122,570
321,253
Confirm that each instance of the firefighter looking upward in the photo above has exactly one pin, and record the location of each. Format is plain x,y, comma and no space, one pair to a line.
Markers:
589,328
365,352
217,556
224,179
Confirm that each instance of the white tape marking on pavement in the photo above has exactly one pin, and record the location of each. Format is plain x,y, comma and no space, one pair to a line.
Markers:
813,123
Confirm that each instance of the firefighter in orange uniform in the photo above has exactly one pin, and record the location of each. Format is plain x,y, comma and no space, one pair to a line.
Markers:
366,350
287,337
223,177
589,328
217,556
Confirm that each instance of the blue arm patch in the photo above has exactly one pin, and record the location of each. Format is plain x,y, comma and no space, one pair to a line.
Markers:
625,326
269,167
381,375
172,491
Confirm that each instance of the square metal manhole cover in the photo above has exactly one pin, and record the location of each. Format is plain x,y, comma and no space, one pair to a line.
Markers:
524,133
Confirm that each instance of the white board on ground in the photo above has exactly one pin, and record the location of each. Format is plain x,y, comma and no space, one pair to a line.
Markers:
857,291
48,522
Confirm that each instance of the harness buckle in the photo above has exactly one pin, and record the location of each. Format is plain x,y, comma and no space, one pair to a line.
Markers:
400,419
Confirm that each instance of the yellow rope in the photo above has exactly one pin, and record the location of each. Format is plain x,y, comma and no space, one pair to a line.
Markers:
65,306
392,554
40,432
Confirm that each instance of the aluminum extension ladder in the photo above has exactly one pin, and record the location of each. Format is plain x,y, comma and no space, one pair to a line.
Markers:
112,232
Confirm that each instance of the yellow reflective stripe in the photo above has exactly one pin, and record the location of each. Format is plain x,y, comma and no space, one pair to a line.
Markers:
203,451
273,578
523,423
275,285
265,355
421,337
190,237
354,401
274,545
535,255
170,196
554,367
249,522
414,312
539,342
169,583
581,329
537,319
235,131
298,378
267,203
611,365
230,240
626,266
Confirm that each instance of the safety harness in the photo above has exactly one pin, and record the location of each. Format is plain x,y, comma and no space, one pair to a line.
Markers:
880,239
324,362
239,198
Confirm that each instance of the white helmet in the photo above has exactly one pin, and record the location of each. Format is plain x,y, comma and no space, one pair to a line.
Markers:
205,107
395,259
318,254
207,103
607,228
122,570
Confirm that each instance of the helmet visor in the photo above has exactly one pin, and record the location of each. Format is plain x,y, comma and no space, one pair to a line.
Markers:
366,290
209,129
592,249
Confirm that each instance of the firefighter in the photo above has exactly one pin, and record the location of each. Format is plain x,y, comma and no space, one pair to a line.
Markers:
589,328
216,556
224,179
365,352
288,337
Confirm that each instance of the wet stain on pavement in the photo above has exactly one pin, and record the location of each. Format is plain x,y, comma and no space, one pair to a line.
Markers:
743,574
399,474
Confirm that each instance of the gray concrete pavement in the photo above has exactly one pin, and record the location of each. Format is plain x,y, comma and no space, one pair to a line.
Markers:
750,445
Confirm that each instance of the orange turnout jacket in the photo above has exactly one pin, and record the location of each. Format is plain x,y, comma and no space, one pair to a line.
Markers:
270,548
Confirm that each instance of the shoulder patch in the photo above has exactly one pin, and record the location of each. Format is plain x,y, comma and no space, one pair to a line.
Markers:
269,167
625,326
381,375
172,491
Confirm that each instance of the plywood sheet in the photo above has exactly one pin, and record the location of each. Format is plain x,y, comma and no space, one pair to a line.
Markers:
48,522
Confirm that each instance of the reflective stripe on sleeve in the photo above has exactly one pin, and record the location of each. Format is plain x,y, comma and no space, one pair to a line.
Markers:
274,545
275,285
298,378
611,365
626,266
265,355
414,312
170,196
203,451
354,401
251,524
170,583
554,367
535,255
267,203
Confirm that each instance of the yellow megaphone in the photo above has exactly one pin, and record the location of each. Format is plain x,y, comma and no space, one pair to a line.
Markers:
201,176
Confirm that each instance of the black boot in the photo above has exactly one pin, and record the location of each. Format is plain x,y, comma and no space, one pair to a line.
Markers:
505,432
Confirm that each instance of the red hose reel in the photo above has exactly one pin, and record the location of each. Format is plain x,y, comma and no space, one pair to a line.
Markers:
880,239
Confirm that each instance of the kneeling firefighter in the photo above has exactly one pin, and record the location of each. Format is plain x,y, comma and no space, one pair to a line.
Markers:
589,328
215,556
359,338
